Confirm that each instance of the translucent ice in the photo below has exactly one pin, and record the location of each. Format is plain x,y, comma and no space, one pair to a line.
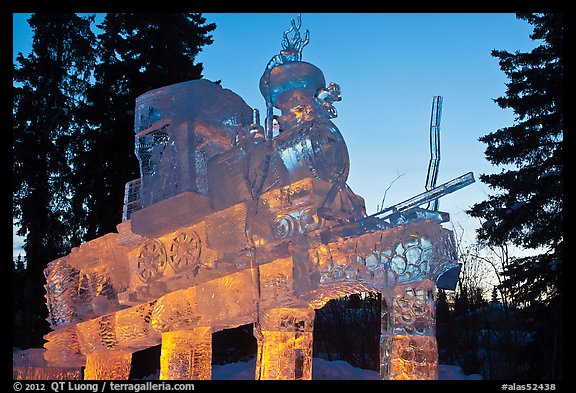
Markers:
30,364
178,129
231,224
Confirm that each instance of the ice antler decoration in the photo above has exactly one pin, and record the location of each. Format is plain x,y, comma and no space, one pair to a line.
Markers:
293,47
291,52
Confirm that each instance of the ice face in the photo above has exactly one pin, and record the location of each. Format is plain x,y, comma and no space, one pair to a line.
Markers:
287,84
228,226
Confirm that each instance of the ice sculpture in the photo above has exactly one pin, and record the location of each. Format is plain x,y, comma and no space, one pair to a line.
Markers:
230,224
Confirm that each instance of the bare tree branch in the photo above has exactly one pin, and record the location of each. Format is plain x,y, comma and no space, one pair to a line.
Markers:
398,176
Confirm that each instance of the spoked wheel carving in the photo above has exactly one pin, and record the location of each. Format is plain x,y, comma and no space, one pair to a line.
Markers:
151,260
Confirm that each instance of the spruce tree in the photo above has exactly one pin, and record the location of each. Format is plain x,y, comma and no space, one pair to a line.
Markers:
495,298
49,86
137,52
73,138
528,210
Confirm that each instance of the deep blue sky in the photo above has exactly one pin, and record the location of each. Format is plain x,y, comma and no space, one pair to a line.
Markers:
389,67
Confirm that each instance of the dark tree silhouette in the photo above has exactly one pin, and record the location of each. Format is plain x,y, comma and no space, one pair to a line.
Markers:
137,52
73,130
528,212
49,89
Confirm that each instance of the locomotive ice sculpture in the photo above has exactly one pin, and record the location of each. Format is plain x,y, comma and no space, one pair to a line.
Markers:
233,223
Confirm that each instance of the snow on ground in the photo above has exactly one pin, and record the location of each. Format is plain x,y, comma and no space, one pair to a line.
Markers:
323,370
329,370
447,372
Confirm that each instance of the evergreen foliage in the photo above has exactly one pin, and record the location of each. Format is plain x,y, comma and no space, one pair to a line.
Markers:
528,210
48,91
73,129
137,53
73,152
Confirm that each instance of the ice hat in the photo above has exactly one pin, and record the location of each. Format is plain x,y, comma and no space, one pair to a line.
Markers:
286,79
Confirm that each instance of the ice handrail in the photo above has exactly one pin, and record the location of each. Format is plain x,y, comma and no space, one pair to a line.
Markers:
427,196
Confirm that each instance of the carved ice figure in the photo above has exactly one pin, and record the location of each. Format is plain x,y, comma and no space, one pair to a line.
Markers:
230,224
310,144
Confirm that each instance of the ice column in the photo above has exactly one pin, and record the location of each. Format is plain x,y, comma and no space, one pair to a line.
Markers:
109,365
285,346
186,354
408,348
